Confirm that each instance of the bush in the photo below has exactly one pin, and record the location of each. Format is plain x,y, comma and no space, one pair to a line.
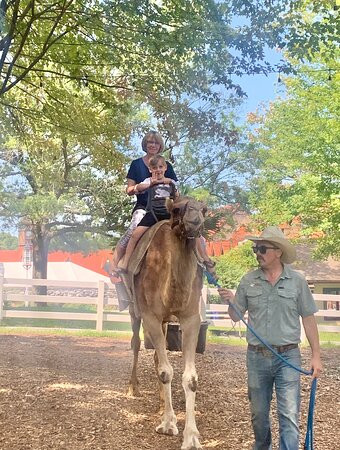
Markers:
233,265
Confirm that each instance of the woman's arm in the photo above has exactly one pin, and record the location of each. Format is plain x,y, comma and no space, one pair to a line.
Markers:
134,188
130,188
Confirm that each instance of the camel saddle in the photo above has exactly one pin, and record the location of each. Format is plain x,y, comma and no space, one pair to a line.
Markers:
126,289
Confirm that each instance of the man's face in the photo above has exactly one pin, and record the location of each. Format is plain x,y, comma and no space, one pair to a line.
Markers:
158,171
271,256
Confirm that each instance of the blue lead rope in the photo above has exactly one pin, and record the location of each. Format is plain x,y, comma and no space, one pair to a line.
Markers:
309,434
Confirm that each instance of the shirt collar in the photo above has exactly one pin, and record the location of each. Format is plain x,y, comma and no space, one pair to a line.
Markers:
285,273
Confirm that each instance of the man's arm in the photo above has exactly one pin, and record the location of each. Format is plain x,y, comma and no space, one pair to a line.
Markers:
312,334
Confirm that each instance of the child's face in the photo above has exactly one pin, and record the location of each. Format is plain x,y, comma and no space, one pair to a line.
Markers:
158,171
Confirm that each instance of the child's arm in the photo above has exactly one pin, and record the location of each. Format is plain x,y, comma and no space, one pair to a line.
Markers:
143,186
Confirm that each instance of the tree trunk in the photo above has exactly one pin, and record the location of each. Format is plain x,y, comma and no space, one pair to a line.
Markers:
40,256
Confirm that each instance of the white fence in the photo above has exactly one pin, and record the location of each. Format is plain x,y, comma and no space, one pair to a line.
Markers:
216,314
99,301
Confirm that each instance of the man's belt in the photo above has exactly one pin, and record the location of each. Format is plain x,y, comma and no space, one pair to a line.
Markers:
277,348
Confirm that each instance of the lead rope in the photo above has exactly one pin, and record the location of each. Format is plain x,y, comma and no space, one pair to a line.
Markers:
309,433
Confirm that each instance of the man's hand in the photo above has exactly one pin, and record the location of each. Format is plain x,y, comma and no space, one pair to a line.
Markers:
316,366
226,295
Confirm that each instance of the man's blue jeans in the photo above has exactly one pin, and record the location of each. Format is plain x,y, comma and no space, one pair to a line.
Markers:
265,372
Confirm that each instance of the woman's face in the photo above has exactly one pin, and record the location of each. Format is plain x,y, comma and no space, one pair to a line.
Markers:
152,146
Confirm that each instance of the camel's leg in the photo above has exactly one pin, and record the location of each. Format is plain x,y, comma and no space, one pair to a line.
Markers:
190,328
160,384
164,372
133,389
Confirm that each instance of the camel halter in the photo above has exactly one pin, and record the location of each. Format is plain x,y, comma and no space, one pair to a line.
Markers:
180,223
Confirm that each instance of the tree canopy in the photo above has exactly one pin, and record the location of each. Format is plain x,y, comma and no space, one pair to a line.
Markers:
79,78
298,142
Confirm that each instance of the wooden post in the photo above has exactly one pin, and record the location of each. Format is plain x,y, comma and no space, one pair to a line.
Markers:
100,305
1,292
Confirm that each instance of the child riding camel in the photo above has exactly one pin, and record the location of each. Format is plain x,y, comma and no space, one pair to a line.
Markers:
159,189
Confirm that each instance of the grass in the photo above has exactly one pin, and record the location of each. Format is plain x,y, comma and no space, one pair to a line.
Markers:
65,324
119,330
327,339
65,332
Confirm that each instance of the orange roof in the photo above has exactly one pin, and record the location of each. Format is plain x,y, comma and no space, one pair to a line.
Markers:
218,248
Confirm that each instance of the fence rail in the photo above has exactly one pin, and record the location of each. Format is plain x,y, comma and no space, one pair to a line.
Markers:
216,314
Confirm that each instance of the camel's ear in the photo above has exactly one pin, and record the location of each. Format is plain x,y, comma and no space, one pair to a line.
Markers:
204,208
169,204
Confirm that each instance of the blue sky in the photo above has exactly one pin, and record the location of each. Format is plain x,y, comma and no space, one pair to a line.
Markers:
260,89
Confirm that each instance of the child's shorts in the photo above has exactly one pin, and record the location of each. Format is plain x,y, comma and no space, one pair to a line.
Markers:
149,219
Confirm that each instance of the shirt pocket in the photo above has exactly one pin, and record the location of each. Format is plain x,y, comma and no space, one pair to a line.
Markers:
288,298
254,294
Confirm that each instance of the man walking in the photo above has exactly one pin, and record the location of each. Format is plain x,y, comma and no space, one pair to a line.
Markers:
275,297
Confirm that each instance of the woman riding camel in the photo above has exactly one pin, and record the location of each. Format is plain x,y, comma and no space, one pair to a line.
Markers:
152,144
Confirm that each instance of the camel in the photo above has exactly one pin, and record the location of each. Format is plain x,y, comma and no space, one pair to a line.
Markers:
169,283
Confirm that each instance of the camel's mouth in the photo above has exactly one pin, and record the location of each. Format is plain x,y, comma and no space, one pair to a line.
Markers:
192,231
188,217
193,221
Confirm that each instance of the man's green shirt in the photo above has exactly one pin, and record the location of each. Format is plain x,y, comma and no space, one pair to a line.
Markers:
274,311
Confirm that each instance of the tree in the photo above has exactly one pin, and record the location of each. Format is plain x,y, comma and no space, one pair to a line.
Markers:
78,78
80,242
298,147
8,242
233,265
165,54
60,183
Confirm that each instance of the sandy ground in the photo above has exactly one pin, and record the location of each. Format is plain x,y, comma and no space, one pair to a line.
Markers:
69,393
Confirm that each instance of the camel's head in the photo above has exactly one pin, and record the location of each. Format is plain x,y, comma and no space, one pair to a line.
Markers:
187,216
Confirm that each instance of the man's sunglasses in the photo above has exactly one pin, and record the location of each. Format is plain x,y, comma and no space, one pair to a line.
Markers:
263,249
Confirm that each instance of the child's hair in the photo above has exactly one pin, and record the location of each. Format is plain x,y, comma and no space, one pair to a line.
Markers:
156,159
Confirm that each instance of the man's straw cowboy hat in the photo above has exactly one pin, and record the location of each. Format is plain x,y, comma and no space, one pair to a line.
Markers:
276,237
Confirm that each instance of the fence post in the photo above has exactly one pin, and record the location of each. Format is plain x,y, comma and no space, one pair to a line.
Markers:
100,305
2,274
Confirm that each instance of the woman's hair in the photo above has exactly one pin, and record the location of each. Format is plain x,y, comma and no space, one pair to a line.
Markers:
156,159
155,136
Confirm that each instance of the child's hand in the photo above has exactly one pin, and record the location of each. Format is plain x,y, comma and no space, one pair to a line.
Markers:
155,180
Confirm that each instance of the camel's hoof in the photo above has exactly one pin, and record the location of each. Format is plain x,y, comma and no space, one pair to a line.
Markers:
133,391
191,444
167,428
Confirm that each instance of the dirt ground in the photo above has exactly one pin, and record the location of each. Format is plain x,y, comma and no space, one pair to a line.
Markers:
69,393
